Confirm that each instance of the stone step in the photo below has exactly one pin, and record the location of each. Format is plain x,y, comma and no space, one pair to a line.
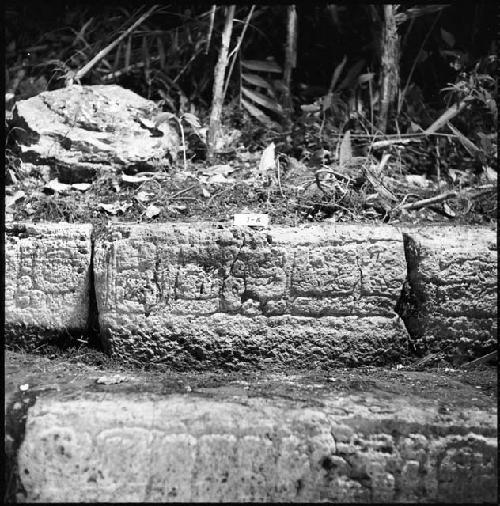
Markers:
342,436
193,293
453,274
47,280
205,294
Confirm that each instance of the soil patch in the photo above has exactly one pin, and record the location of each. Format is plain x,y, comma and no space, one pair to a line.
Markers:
295,193
74,371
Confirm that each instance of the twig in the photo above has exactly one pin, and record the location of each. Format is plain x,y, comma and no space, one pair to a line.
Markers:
429,201
210,28
466,143
107,49
481,360
279,175
388,142
446,116
480,190
415,61
234,52
182,191
335,173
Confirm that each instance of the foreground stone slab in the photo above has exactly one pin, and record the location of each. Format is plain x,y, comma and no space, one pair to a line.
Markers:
255,441
452,273
47,274
208,294
85,129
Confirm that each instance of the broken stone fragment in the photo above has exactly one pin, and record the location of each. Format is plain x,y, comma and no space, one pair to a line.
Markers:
452,273
47,275
86,129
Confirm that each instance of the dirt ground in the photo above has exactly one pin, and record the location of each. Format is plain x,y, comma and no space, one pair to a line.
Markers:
76,370
296,192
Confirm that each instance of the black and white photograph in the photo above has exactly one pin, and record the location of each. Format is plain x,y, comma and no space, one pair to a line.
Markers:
250,252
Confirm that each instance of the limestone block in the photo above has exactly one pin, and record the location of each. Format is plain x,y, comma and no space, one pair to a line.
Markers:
216,447
215,294
90,128
47,273
452,273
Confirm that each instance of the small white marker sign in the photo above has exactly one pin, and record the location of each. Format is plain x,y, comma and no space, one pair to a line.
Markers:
251,220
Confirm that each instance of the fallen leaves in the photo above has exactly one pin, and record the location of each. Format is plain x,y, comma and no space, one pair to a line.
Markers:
267,160
219,169
152,211
134,179
10,200
115,207
54,186
144,196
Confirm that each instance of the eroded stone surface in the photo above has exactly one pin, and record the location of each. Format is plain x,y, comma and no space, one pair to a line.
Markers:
202,293
453,276
88,128
47,270
225,446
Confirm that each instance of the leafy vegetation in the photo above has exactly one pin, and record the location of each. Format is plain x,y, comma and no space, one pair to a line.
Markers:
367,121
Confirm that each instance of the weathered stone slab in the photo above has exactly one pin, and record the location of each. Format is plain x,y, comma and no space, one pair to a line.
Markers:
47,274
81,130
452,273
212,294
227,444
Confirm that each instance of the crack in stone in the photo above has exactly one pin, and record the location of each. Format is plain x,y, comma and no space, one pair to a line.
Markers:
93,327
357,291
230,273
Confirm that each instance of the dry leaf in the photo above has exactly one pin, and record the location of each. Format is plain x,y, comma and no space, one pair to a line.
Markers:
152,211
415,127
219,169
383,163
114,208
490,174
459,176
12,176
177,209
310,107
134,179
417,180
143,196
267,160
10,200
83,187
205,193
54,186
217,178
147,123
447,209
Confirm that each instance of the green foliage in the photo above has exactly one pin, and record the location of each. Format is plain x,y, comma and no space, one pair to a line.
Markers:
171,56
257,90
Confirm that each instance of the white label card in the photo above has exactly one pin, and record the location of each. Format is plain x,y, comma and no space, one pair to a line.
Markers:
251,220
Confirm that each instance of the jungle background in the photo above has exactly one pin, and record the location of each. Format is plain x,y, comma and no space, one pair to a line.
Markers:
306,112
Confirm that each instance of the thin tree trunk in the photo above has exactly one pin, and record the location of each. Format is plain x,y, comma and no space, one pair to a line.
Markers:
236,50
389,80
218,95
290,58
